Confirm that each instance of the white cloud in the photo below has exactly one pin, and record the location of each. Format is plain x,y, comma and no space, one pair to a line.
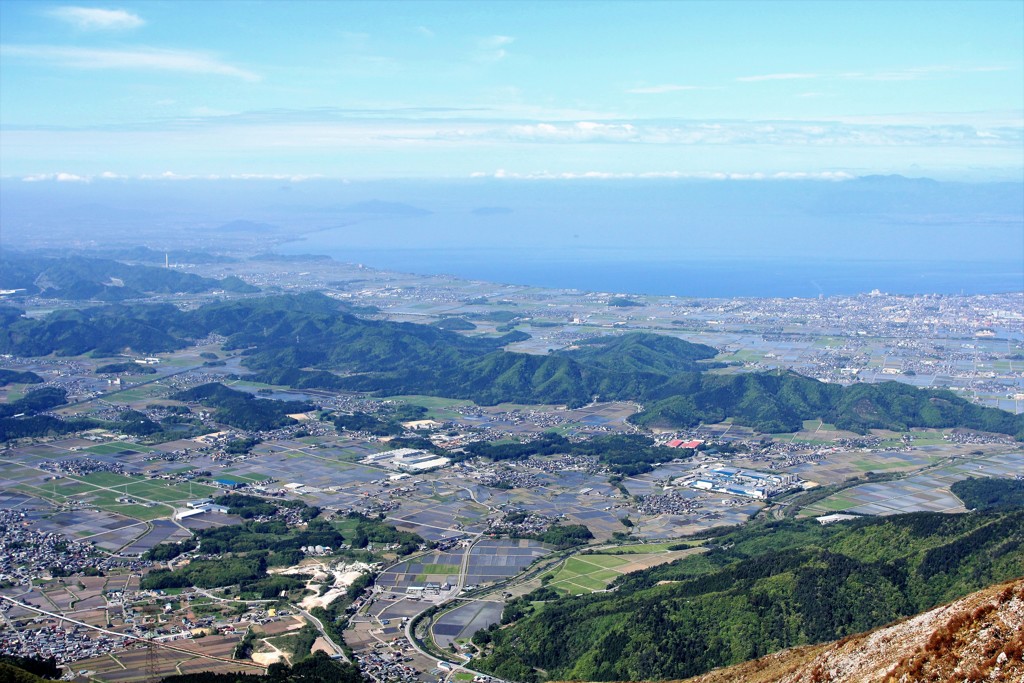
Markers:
492,42
776,77
492,48
145,58
95,19
58,177
914,73
660,89
424,31
582,131
503,174
918,73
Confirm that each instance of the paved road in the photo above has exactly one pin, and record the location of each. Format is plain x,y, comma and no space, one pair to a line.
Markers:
323,633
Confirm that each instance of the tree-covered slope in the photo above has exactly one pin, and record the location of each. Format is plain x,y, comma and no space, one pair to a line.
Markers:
105,330
780,401
78,278
761,589
638,352
989,493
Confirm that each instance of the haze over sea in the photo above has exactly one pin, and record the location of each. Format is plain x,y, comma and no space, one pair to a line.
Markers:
731,239
770,238
650,273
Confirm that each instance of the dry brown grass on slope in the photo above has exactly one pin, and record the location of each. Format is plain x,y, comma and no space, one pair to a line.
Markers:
974,639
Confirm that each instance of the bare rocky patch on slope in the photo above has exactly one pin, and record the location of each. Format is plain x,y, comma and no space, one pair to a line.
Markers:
977,638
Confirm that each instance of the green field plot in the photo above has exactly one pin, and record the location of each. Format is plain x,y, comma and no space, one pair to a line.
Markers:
743,355
440,569
110,448
141,512
835,503
587,573
244,478
163,493
929,439
580,585
107,479
12,471
140,393
606,561
40,492
430,402
104,499
346,525
73,488
647,548
874,465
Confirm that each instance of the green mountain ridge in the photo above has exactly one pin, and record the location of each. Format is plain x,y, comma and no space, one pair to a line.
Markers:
312,341
81,278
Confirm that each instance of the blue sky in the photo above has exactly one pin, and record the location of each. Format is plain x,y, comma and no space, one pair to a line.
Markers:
523,89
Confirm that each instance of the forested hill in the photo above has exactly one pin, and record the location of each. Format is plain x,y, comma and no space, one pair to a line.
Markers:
312,341
760,589
80,278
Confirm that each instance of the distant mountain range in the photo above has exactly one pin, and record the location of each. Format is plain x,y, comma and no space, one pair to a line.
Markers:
313,341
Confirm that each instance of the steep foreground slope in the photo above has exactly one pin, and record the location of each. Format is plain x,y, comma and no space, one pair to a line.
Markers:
760,589
977,638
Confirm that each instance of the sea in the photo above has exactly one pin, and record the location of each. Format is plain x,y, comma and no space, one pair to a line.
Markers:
646,272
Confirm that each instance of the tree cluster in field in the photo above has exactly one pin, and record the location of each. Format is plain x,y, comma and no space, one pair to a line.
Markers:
562,536
20,419
29,423
242,446
388,423
16,377
626,454
247,549
243,410
312,341
129,368
163,552
759,589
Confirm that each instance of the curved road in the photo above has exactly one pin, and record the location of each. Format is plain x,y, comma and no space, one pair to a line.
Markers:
323,633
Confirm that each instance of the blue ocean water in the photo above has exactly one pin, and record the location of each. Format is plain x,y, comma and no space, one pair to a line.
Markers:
663,274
